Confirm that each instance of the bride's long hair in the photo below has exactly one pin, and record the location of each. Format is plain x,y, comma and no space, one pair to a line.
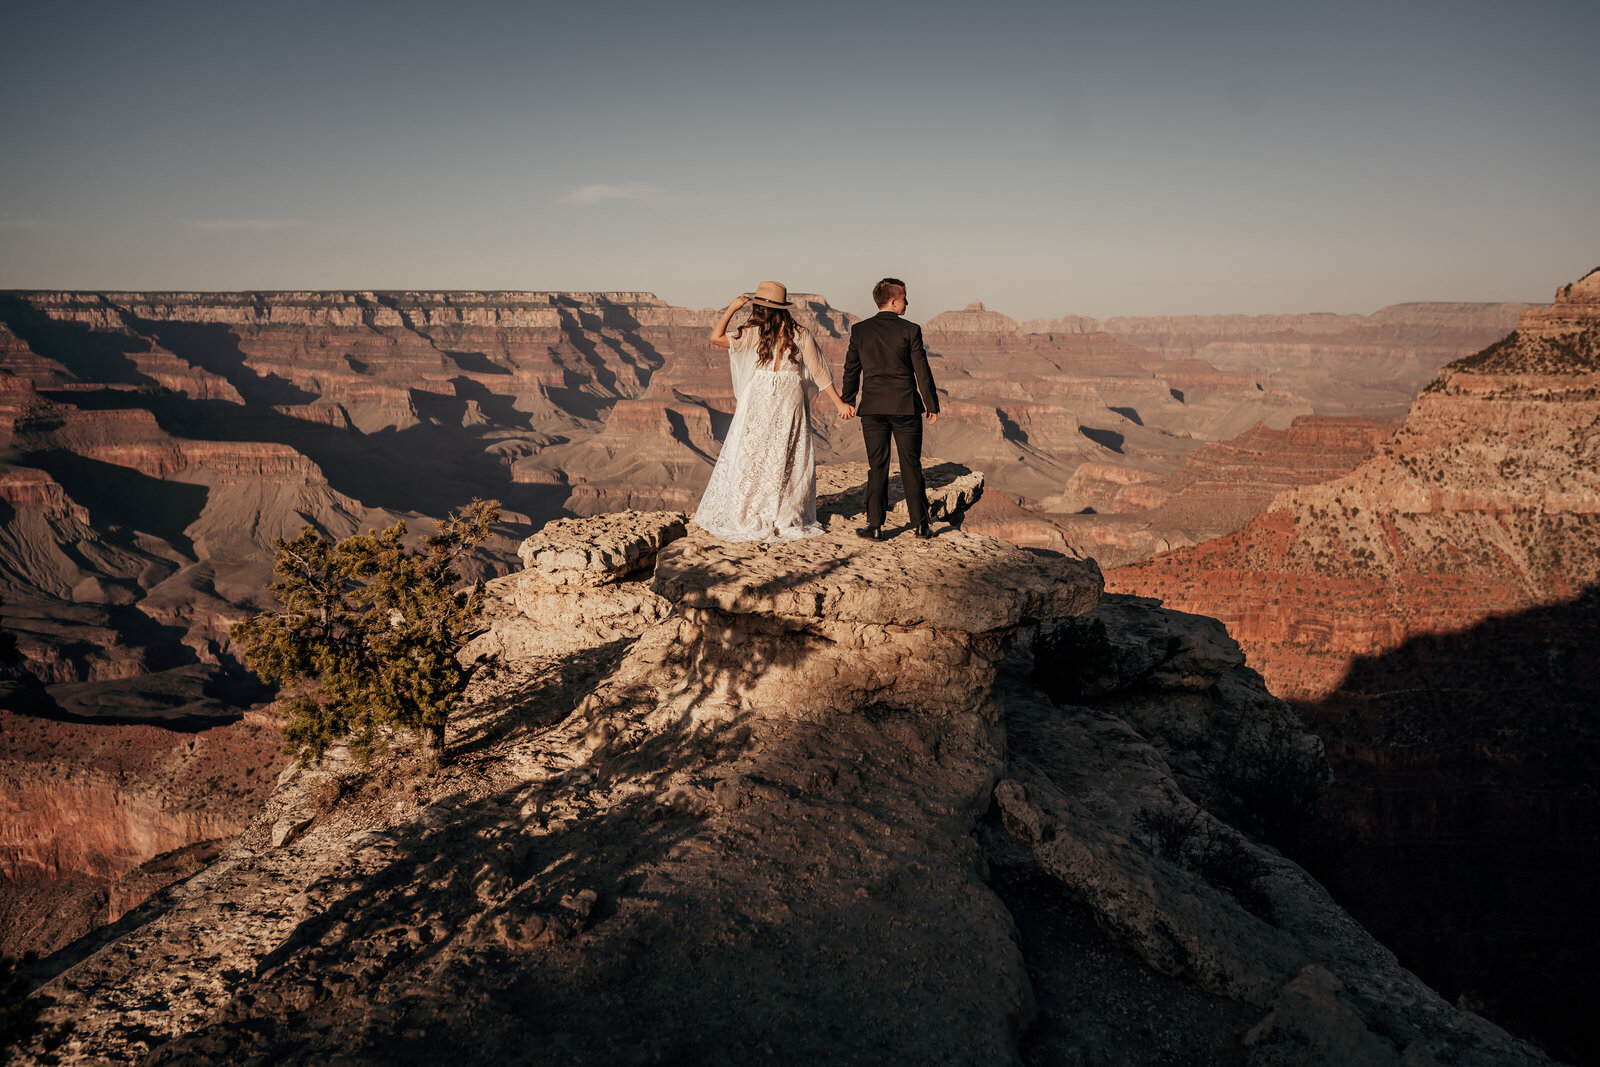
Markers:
776,329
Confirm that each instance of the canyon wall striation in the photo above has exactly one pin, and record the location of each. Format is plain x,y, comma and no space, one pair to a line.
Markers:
1432,612
155,444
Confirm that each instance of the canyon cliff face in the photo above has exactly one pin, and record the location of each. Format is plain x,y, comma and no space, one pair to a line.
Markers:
911,801
1484,502
1129,514
155,444
1433,614
94,816
1353,365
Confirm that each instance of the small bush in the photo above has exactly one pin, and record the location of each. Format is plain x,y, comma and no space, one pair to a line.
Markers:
366,637
1275,776
1171,830
1074,660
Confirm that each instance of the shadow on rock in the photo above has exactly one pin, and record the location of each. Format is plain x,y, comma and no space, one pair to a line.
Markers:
1461,826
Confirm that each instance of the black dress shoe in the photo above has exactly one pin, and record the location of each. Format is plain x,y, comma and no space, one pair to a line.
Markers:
924,531
871,533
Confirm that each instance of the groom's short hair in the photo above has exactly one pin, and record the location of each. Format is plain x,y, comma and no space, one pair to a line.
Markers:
887,290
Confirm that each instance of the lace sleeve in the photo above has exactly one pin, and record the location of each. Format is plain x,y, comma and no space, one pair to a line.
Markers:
741,361
815,364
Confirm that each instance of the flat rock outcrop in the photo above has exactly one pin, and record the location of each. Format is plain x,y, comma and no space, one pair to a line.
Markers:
584,583
750,837
951,488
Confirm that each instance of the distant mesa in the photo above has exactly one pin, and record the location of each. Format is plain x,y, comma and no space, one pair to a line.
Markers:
973,317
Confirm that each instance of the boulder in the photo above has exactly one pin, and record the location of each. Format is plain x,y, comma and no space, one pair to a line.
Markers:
598,551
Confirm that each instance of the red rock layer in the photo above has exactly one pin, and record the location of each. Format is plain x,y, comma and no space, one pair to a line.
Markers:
1486,501
1435,613
91,802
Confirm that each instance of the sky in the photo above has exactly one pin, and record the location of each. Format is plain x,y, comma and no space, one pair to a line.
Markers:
1135,158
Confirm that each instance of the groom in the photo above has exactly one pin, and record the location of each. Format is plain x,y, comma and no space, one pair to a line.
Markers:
887,362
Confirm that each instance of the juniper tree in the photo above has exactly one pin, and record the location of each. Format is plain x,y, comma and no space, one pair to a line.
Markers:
366,635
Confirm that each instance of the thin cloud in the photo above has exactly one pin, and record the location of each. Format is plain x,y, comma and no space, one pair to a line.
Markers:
600,194
241,225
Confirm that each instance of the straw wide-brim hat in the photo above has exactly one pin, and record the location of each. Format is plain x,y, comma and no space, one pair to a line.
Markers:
771,295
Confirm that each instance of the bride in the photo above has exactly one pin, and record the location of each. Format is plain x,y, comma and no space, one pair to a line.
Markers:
764,486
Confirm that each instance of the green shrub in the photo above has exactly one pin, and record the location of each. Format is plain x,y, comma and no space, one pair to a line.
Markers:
366,637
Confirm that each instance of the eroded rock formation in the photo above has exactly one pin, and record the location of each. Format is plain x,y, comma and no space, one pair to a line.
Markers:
1129,515
84,806
1487,500
1465,768
157,443
748,834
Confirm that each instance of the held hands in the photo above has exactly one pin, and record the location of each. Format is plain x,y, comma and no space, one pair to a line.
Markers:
847,411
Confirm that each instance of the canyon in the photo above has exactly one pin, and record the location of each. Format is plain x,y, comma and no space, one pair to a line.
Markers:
169,437
1432,615
156,443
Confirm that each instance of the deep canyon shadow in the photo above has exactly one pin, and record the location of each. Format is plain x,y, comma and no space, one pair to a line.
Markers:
424,468
214,347
92,355
1462,825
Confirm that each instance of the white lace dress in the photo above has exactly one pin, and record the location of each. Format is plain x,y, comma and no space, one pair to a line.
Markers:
764,486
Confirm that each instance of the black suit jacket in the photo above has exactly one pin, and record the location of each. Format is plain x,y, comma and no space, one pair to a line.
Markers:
887,362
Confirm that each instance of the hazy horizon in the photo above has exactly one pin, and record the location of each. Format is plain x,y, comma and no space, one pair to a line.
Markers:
921,314
1154,159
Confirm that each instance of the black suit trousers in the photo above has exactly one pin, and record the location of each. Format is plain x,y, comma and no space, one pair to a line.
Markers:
907,433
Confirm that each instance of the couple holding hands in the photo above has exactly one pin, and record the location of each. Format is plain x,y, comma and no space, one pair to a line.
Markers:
764,485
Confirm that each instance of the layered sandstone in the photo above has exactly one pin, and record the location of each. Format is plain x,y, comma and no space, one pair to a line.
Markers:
83,805
1372,599
1484,502
974,317
159,442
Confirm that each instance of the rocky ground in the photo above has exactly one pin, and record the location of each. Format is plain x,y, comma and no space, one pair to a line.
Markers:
912,801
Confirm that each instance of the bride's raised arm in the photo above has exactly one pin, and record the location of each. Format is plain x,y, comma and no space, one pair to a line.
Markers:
719,332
